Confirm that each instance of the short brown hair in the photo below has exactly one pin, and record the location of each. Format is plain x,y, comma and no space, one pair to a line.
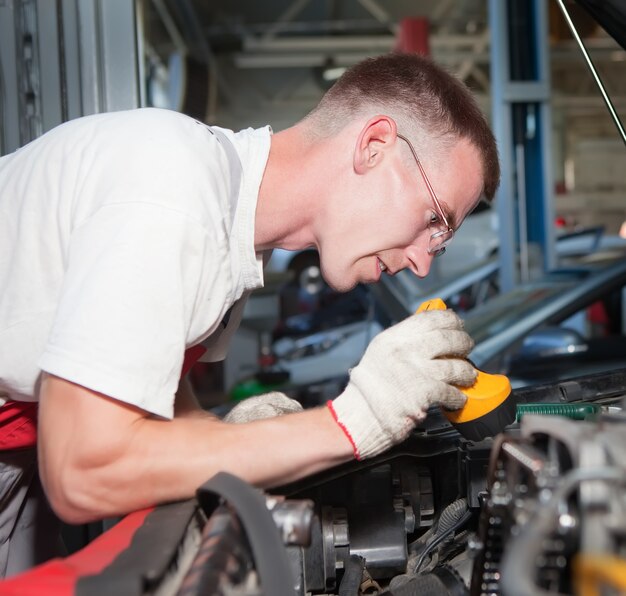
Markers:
421,96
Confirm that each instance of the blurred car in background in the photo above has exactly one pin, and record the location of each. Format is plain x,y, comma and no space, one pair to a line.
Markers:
581,243
571,322
402,294
316,365
333,309
314,350
304,266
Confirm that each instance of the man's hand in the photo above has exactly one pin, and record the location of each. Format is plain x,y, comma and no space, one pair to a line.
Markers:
407,368
263,406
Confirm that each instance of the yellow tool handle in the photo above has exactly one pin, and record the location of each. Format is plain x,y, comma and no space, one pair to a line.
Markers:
598,574
486,394
432,304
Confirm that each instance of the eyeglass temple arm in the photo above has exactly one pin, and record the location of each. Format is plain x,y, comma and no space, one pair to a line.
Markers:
433,196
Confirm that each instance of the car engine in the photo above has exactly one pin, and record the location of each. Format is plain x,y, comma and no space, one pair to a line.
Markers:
539,509
554,520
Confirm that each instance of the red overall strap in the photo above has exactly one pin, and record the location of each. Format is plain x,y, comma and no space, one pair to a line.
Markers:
192,355
18,425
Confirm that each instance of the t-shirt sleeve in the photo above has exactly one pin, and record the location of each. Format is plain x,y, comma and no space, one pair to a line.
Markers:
135,278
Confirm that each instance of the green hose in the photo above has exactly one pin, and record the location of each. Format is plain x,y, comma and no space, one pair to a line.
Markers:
572,411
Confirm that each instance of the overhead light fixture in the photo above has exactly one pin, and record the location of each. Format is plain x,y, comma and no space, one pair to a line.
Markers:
332,73
328,73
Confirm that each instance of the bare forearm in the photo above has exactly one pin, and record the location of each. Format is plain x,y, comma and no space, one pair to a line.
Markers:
100,458
266,453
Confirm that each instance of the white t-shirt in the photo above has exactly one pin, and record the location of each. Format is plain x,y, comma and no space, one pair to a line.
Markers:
122,244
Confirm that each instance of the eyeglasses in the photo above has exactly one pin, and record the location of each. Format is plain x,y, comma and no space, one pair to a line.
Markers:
444,234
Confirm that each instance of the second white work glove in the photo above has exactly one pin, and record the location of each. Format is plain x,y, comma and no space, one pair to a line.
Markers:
405,370
263,406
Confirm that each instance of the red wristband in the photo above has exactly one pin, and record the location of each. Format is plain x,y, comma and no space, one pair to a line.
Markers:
346,432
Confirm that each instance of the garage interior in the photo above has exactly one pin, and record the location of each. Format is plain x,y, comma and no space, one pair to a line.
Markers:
559,213
248,65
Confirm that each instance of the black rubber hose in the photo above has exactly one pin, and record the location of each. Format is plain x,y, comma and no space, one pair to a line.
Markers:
448,518
423,585
268,551
223,558
450,515
440,538
441,581
352,576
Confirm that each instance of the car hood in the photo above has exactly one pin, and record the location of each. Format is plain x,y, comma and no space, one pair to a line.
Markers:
610,15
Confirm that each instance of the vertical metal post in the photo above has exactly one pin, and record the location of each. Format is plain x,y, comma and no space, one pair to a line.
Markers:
50,43
63,59
9,98
539,170
501,123
522,126
109,65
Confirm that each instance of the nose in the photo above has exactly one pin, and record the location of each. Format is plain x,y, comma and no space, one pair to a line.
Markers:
419,260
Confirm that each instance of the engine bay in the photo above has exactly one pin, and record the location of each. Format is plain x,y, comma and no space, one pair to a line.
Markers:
539,509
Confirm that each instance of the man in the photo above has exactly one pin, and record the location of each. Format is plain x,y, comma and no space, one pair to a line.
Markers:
127,239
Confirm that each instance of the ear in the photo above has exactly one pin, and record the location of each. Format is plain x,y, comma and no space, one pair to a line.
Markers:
377,136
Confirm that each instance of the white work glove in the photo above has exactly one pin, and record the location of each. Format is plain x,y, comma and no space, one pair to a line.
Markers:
405,369
263,406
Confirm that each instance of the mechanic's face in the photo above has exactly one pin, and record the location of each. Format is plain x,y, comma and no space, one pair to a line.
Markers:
388,227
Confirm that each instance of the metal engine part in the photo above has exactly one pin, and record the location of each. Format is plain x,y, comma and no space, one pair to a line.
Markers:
556,503
540,509
369,515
